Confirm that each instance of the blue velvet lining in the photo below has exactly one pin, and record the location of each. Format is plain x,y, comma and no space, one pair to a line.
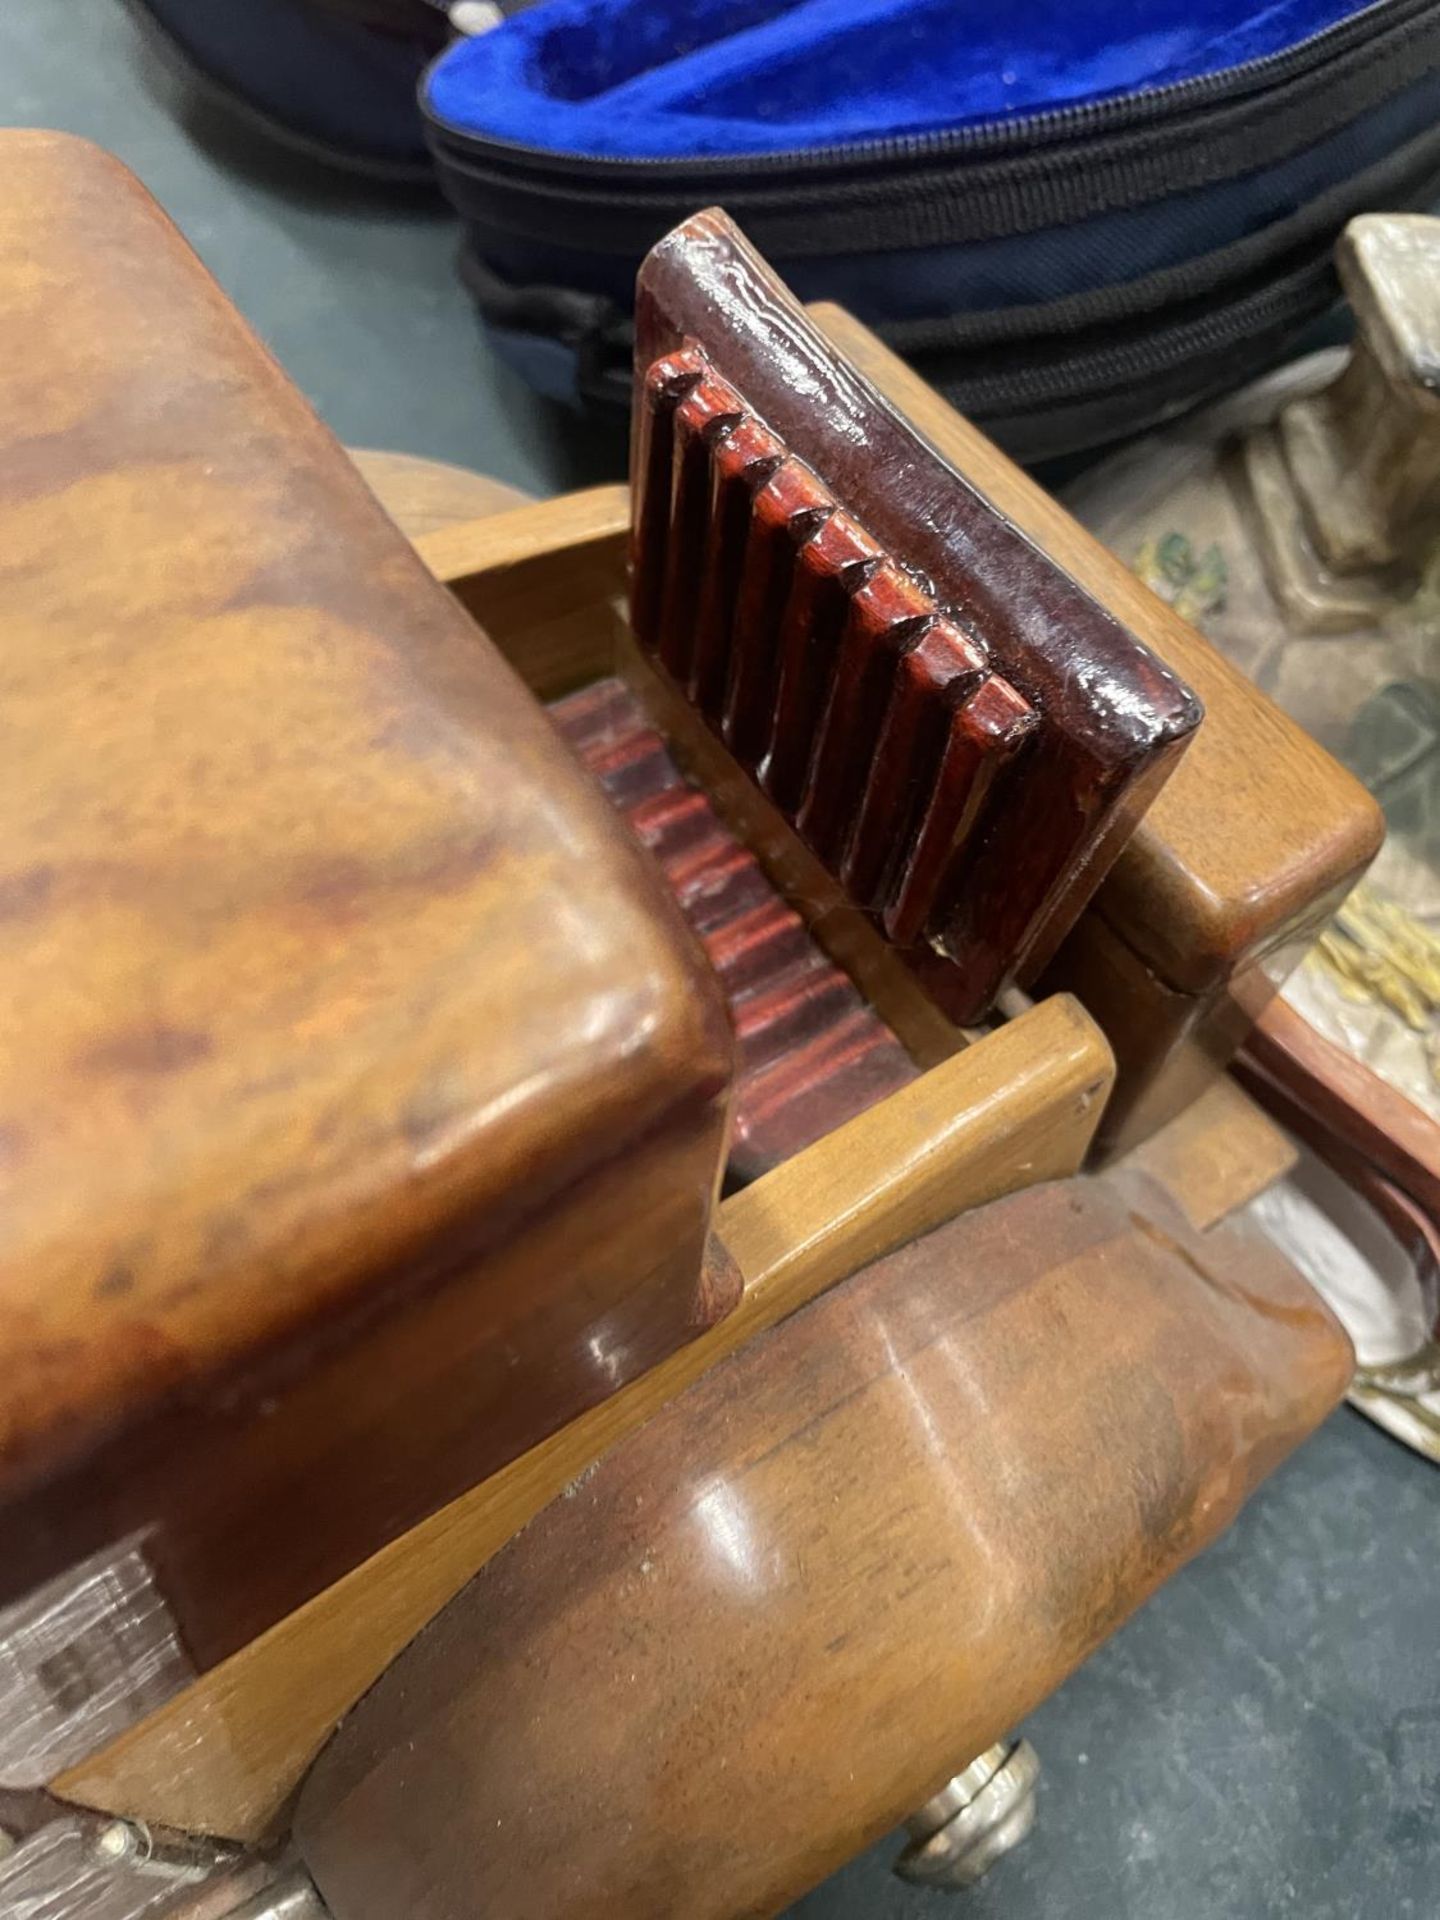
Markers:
664,79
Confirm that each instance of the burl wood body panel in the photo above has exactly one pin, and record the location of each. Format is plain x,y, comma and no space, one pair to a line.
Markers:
792,508
775,1620
1243,854
362,1094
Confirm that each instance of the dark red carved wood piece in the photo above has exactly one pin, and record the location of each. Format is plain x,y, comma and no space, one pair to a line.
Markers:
1010,861
795,635
887,615
831,566
979,735
743,460
812,1053
789,508
934,680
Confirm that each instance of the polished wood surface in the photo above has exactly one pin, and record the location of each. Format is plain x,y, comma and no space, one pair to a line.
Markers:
1306,1078
1018,1107
547,582
421,496
362,1094
1258,820
870,718
1113,718
1244,852
843,929
1229,875
1170,1044
779,1617
1221,889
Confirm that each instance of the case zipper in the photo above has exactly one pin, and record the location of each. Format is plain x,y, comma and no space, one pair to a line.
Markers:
621,208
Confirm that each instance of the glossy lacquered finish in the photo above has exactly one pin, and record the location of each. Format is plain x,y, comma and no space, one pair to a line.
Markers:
871,720
1258,823
778,1618
759,456
362,1091
1018,1106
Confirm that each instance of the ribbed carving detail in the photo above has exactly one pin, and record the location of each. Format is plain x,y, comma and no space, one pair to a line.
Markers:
812,1053
867,713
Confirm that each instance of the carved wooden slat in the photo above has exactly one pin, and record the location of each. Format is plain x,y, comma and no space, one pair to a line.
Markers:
830,566
741,461
933,680
788,509
979,736
887,614
812,1054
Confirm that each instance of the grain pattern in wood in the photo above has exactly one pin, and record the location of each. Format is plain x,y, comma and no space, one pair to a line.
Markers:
1170,1045
826,667
421,495
1018,1107
1258,822
811,1053
543,581
1238,863
1113,719
362,1093
885,978
561,630
775,1620
547,582
553,610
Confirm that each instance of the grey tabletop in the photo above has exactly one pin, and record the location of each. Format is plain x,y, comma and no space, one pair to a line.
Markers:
1264,1738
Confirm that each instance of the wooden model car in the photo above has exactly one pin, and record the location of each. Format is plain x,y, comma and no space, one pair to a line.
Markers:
733,1190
